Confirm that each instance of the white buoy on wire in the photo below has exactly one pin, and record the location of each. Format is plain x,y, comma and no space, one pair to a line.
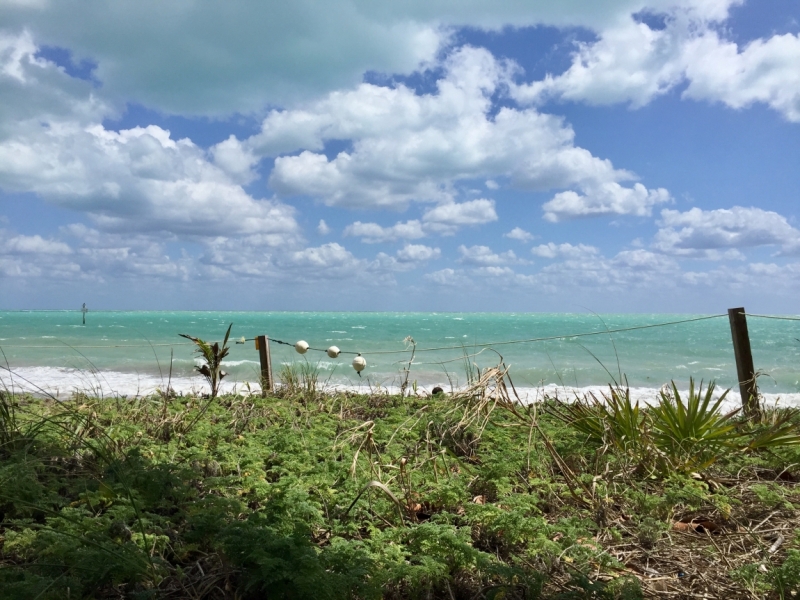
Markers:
359,364
333,351
301,347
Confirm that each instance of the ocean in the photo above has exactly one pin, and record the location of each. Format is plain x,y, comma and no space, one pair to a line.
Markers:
129,353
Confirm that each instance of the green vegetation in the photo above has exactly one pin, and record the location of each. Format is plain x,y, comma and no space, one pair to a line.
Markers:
312,495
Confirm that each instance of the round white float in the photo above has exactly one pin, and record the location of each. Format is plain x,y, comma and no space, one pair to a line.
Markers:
333,351
359,363
301,347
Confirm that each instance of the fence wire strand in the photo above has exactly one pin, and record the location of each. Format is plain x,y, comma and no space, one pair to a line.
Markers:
777,317
523,341
439,348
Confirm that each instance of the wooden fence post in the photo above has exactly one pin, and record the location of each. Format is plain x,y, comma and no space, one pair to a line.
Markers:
744,362
262,345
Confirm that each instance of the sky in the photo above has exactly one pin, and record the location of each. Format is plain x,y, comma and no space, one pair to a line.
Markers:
436,155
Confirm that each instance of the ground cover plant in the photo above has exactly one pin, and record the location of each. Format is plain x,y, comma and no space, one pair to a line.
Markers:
453,496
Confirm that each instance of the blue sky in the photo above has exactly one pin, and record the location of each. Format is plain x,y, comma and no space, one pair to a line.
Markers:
624,155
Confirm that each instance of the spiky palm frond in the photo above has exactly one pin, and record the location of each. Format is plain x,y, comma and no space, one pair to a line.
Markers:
212,356
693,433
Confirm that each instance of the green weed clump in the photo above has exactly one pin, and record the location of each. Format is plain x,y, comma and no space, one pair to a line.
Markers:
311,495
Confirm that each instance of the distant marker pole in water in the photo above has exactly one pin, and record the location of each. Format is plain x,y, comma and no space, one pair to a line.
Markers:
262,345
745,370
84,310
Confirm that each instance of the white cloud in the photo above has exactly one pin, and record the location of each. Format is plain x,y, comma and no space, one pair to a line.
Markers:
444,219
417,253
32,244
322,227
223,58
630,62
144,189
103,255
409,257
607,199
407,147
52,143
643,261
708,233
583,267
210,58
372,233
24,256
448,277
87,254
494,271
551,250
766,71
264,57
483,256
328,260
447,218
236,160
519,234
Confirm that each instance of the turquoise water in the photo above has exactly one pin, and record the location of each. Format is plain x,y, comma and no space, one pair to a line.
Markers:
42,345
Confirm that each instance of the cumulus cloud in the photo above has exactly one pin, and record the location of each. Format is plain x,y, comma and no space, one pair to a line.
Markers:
608,199
409,257
722,233
448,277
33,244
240,58
417,253
494,271
236,160
630,62
519,234
765,71
328,260
449,217
33,256
407,147
483,256
372,233
143,189
226,59
444,219
577,268
102,255
644,261
84,253
322,227
634,63
138,179
551,250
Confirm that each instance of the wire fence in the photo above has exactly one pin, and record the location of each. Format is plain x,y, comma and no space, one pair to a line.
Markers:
355,352
411,349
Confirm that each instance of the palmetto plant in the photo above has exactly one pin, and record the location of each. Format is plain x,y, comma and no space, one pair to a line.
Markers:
212,356
611,420
684,433
694,433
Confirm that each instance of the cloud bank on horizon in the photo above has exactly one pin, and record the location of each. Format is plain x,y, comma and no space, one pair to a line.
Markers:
620,155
